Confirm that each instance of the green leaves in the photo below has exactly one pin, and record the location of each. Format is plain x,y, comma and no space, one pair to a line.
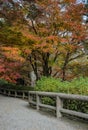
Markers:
76,86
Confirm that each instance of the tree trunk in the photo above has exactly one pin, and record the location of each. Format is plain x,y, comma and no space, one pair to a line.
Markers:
33,63
46,69
33,78
65,67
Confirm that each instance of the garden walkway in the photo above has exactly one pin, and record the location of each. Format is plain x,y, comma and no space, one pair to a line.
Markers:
15,114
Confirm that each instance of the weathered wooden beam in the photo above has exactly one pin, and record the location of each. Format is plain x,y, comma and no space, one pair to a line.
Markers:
32,102
37,101
74,113
47,106
61,95
59,105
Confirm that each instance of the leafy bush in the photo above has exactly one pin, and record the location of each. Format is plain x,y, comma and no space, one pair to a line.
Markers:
48,100
47,84
3,82
76,86
76,105
6,85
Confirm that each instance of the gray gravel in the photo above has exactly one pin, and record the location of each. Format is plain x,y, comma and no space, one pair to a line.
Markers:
15,114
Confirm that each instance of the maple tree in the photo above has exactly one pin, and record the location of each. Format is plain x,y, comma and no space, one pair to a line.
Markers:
10,54
51,33
59,31
10,62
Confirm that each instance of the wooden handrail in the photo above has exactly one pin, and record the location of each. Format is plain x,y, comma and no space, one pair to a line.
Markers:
61,95
14,93
59,102
57,96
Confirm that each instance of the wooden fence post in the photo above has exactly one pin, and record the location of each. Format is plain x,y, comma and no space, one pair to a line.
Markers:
15,94
37,101
9,93
5,92
29,97
59,105
23,95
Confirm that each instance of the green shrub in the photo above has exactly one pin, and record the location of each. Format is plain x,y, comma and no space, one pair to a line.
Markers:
76,86
6,85
47,84
3,82
48,101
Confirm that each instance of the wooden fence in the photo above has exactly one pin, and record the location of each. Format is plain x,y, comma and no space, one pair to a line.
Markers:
14,93
35,99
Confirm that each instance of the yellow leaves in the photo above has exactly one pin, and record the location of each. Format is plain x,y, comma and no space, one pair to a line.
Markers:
12,53
52,38
47,44
72,48
43,31
64,48
28,35
43,47
43,3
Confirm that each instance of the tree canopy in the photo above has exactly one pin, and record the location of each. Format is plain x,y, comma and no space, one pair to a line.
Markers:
48,34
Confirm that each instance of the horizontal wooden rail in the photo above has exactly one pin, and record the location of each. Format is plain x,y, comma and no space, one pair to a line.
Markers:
14,93
59,102
74,113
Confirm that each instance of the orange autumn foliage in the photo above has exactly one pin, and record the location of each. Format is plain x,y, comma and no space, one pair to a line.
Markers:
10,62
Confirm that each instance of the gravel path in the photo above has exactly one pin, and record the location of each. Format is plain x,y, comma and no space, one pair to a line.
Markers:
15,114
